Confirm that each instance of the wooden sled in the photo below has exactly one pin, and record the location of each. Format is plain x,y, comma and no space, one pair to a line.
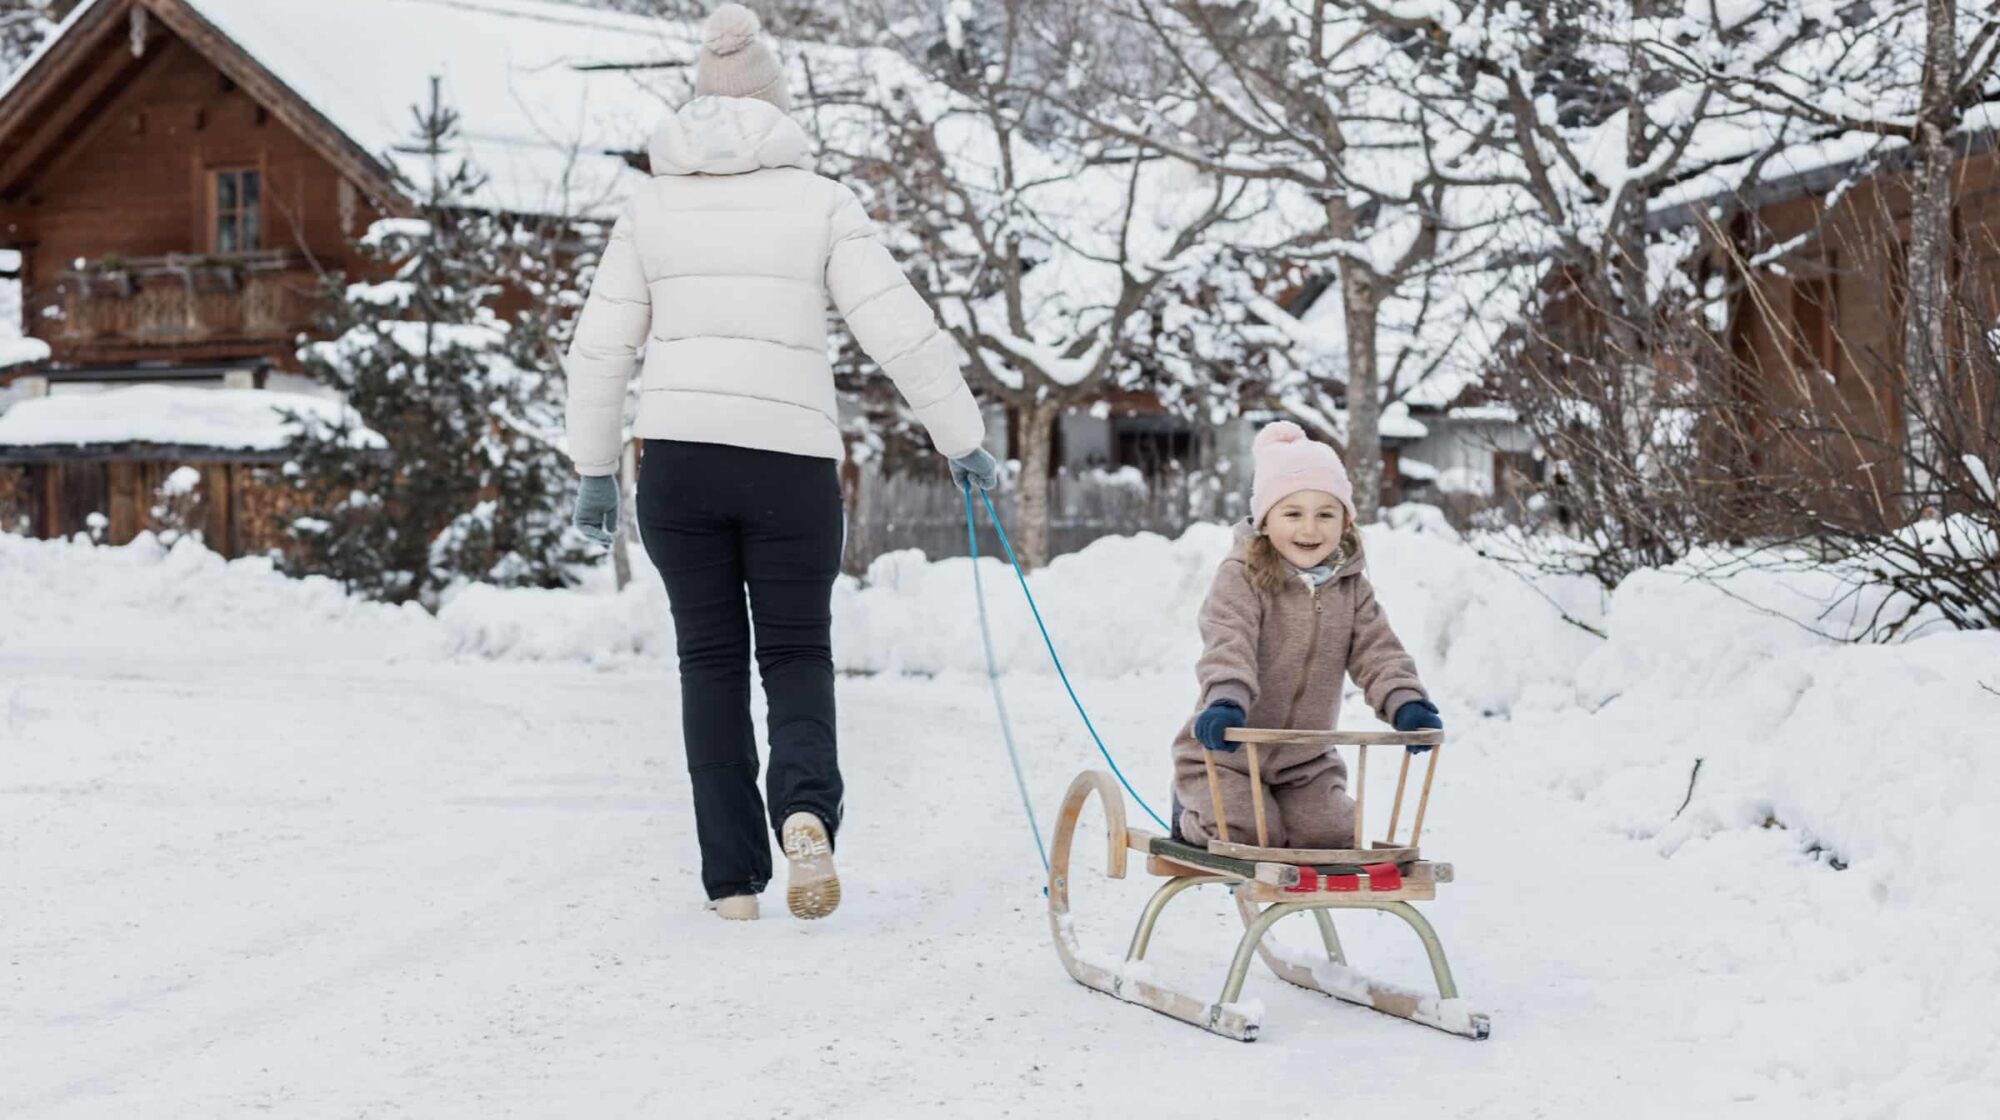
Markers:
1270,884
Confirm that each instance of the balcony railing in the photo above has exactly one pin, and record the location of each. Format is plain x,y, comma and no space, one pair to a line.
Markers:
185,298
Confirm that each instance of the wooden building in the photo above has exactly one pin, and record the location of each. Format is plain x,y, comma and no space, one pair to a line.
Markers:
1816,260
179,178
173,205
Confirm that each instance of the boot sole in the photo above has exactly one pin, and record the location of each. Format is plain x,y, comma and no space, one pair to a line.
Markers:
813,889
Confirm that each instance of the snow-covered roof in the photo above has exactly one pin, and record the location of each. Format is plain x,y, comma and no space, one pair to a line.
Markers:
1485,414
541,115
22,351
1818,164
227,419
1416,470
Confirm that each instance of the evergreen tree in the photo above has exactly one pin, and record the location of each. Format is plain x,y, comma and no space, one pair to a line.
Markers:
23,26
448,468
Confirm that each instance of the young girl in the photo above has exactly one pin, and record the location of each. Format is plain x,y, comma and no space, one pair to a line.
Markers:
1290,614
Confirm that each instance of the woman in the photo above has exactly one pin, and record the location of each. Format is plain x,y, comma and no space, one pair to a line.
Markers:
721,267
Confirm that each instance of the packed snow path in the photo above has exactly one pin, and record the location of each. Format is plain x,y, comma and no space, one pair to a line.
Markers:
277,869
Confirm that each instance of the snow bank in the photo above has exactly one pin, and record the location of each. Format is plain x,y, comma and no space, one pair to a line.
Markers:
1880,756
531,624
56,598
22,351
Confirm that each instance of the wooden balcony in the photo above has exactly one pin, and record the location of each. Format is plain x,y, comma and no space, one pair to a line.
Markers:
128,307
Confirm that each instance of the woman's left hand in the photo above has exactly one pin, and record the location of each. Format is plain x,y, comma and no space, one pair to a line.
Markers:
977,467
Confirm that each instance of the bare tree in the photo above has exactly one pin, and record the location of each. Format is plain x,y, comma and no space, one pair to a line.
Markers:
1337,108
1588,110
1053,257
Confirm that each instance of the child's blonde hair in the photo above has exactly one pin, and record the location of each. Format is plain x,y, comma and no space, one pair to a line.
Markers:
1269,571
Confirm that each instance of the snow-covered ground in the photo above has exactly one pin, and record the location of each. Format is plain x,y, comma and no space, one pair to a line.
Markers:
267,849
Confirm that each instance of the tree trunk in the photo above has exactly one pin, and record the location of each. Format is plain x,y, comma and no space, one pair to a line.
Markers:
1929,271
1360,306
1037,436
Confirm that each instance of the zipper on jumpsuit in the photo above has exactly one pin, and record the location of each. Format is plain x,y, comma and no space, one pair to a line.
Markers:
1305,675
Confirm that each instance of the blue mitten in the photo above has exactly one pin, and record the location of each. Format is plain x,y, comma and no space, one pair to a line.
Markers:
1216,719
596,513
976,466
1418,715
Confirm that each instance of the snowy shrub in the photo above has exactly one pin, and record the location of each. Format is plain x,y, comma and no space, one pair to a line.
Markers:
176,510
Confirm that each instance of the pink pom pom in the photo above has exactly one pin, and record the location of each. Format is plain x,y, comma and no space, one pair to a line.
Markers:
1283,431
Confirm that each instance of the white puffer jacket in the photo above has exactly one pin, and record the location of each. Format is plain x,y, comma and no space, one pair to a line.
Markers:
720,267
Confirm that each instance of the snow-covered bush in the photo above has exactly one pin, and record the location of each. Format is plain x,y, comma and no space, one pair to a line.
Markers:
176,509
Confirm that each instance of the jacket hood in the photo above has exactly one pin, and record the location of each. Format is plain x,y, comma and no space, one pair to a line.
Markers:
726,136
1245,532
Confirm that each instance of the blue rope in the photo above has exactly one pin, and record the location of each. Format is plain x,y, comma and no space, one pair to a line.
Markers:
1060,672
993,675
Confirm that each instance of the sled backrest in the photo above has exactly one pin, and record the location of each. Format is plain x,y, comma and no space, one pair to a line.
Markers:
1254,737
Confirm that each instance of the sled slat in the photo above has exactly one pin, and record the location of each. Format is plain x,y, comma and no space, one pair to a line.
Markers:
1215,794
1334,738
1396,807
1424,798
1169,869
1256,795
1360,796
1314,856
1139,840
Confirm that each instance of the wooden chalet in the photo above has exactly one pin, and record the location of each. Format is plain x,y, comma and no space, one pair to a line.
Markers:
179,177
1816,256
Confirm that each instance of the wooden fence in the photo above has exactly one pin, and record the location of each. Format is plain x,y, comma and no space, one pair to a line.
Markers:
889,513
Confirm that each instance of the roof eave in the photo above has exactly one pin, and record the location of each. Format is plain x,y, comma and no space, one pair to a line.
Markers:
1722,204
47,75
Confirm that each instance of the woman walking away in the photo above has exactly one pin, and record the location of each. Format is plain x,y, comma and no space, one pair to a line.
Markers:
1289,617
721,267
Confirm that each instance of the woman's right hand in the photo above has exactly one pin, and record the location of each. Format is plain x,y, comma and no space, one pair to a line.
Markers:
596,515
1216,719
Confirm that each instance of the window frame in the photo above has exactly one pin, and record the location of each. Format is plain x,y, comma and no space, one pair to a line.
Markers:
248,204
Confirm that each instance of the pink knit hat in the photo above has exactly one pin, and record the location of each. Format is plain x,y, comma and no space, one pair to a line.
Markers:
1288,462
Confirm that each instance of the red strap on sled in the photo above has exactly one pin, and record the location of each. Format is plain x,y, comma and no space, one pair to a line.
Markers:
1383,877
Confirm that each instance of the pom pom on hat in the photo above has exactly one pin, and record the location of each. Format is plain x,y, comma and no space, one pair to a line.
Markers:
736,62
729,29
1283,431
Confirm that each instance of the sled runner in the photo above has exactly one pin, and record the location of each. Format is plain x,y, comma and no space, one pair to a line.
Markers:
1270,884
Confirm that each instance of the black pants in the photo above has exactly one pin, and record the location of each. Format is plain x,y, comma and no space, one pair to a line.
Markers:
715,519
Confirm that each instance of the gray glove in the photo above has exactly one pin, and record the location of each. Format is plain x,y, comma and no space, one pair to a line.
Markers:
976,466
597,508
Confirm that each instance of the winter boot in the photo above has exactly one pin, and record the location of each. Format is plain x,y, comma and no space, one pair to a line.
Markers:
736,908
813,889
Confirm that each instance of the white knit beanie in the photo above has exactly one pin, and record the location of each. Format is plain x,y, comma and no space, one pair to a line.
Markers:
735,62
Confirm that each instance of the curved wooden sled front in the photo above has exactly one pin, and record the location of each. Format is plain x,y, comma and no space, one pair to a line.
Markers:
1268,885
